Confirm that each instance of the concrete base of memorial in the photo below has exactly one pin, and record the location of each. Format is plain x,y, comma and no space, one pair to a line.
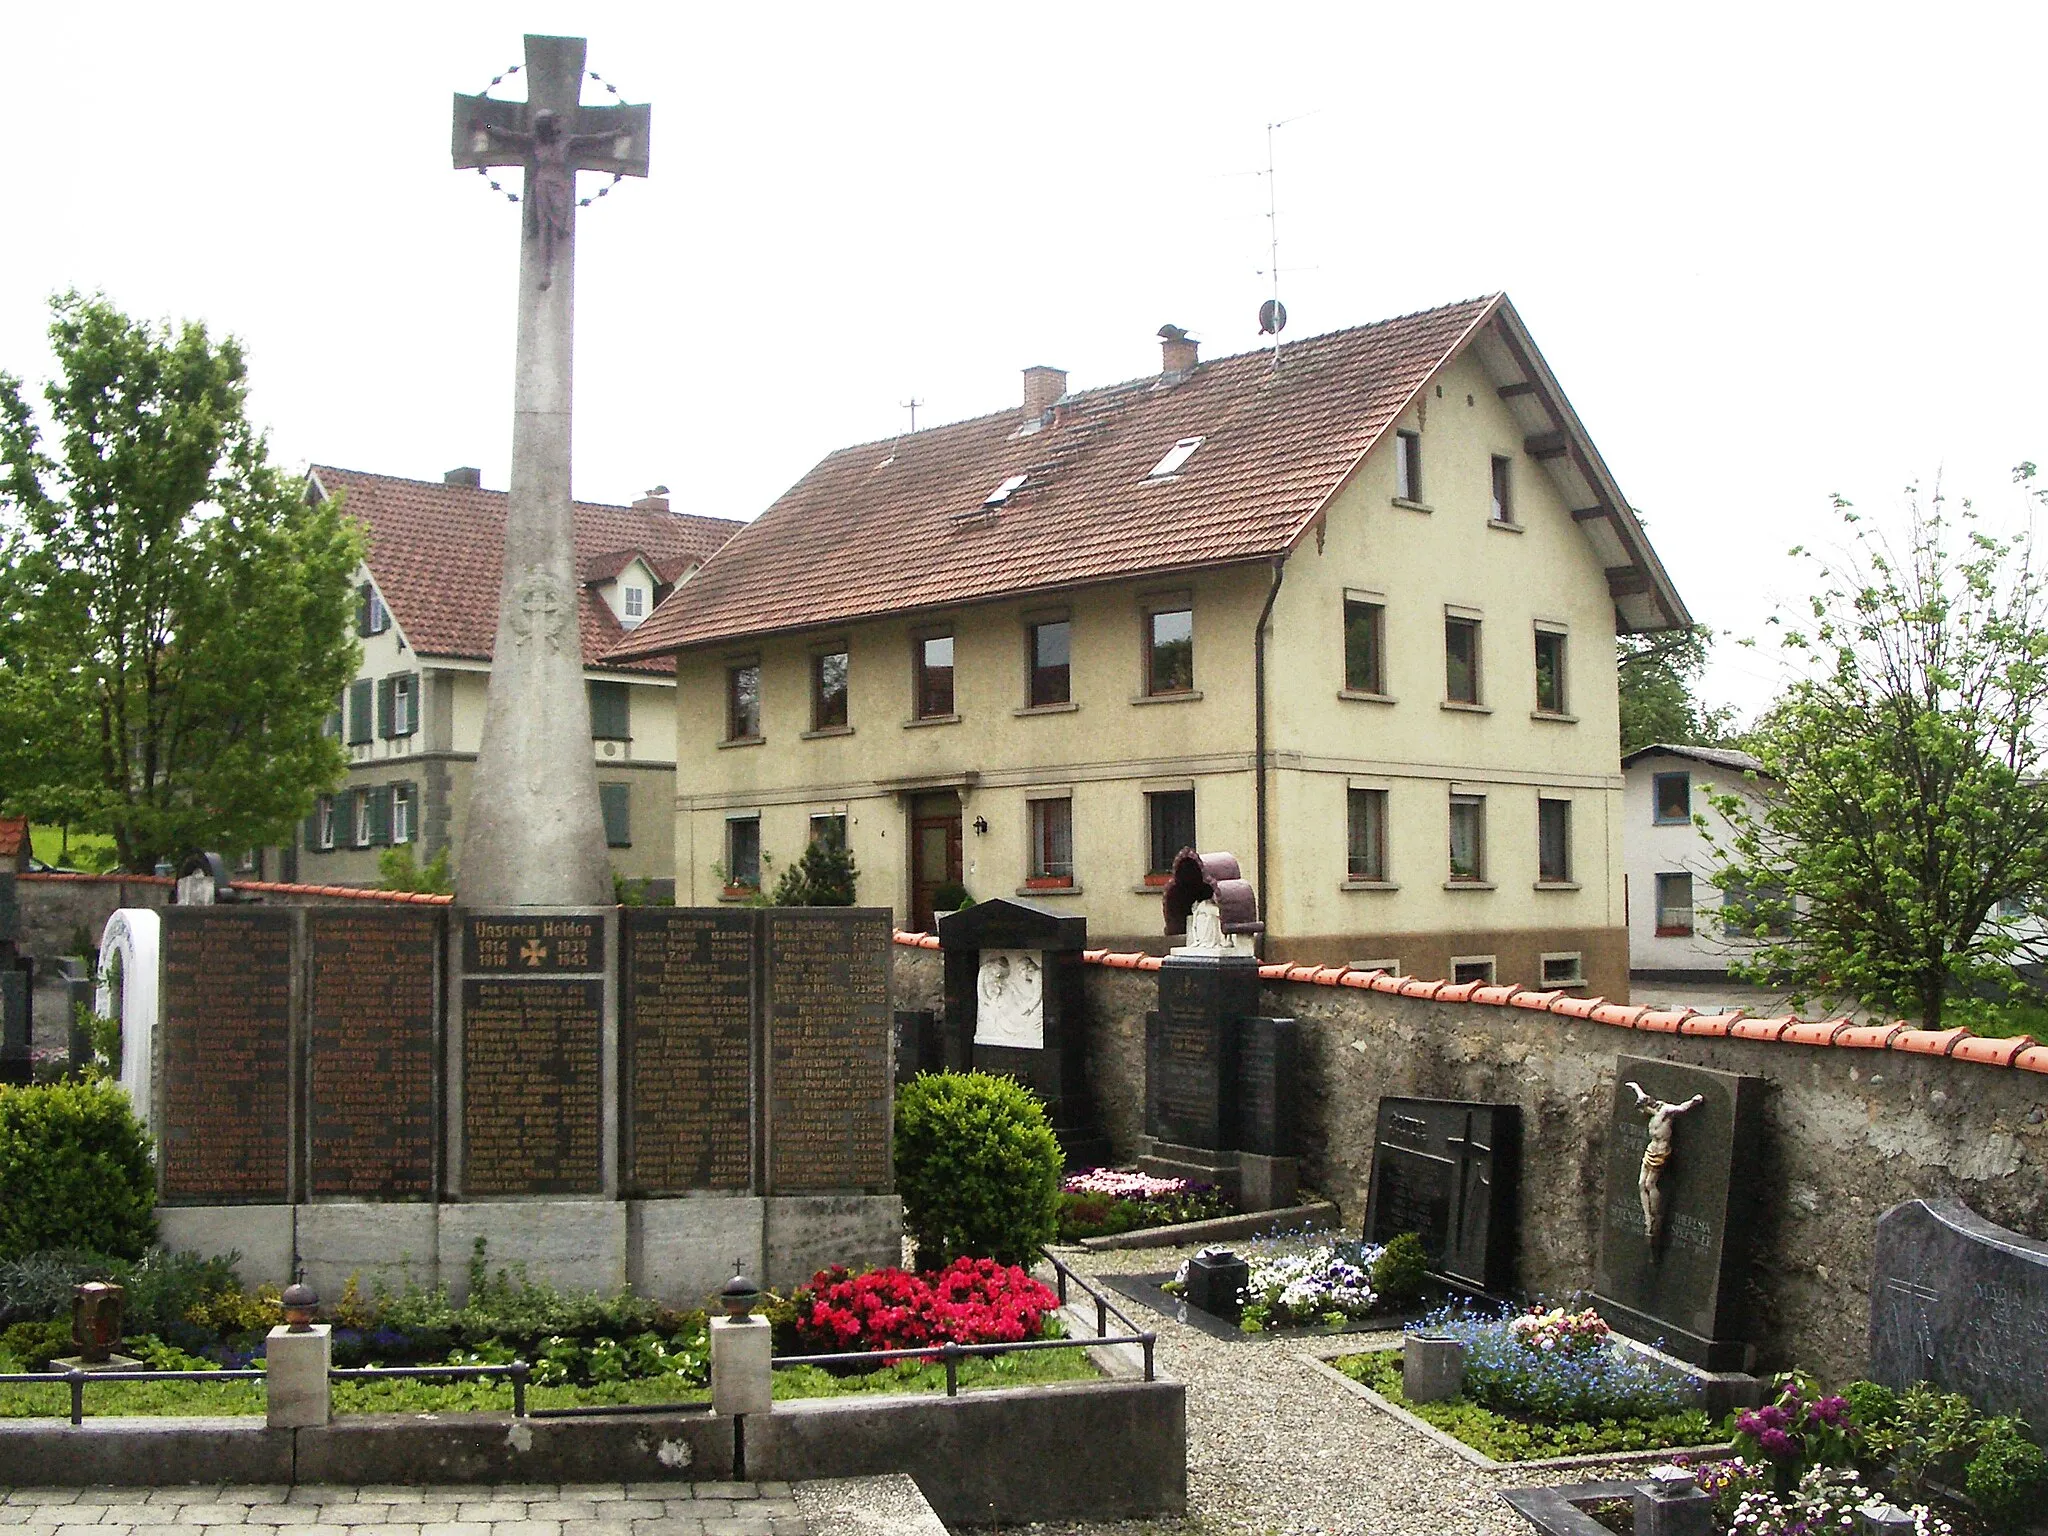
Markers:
680,1251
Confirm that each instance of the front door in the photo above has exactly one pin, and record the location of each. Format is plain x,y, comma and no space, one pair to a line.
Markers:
934,852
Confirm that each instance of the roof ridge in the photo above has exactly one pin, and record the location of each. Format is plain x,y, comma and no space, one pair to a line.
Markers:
484,490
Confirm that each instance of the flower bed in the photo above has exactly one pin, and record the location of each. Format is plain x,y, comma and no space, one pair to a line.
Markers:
1103,1202
1301,1280
970,1301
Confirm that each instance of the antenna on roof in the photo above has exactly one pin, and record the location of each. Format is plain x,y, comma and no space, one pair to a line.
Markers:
1272,313
911,406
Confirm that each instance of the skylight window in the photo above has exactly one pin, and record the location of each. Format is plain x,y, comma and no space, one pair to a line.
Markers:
1005,491
1176,456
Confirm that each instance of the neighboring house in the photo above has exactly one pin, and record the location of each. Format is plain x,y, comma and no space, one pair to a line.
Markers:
1675,927
1347,612
14,843
427,615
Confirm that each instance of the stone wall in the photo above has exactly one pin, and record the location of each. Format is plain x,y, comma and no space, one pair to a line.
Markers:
1847,1132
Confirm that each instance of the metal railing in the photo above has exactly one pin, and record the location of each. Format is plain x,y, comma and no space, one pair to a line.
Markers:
78,1380
518,1371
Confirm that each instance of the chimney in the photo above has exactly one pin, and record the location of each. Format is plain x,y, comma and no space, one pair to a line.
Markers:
467,475
655,500
1176,352
1042,386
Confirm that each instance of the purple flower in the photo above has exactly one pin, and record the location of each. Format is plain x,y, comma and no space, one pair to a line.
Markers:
1829,1411
1775,1442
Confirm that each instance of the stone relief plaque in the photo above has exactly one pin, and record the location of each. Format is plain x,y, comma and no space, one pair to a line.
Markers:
1010,999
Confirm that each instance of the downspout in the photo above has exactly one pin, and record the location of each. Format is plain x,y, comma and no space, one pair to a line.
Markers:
1259,733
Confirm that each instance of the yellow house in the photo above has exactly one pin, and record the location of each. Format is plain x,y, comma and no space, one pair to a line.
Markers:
1347,612
426,618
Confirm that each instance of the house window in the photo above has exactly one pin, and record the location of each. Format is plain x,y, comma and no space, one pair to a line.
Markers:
934,677
1170,819
333,725
743,853
1765,911
1461,660
1477,968
1674,906
323,823
615,801
1468,838
365,818
1550,695
1170,651
828,690
372,618
1365,646
1672,796
1052,842
1052,650
1408,465
362,711
743,702
830,828
1503,493
398,715
611,712
1564,970
636,602
401,813
1176,456
1366,834
1554,841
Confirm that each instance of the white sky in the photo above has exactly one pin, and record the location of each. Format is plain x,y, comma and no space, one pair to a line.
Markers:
1772,251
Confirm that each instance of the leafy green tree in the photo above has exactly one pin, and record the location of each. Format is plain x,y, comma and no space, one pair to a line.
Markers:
399,869
174,616
824,875
1904,802
1658,675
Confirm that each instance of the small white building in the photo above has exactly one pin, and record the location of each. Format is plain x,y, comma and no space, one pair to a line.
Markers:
1675,933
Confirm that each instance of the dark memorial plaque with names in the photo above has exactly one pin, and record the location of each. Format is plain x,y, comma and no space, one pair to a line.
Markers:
686,1016
531,946
227,1056
1191,1079
829,1038
532,1086
1445,1170
370,1053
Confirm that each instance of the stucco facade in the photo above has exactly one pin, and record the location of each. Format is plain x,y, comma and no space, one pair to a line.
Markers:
1675,930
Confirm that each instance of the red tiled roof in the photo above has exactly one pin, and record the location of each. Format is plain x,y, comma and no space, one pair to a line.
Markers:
898,525
435,551
13,833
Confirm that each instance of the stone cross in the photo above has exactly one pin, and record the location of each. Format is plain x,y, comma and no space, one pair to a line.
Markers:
535,833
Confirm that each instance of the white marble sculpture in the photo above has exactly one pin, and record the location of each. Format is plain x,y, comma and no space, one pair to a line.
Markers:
1657,1154
1205,934
1009,999
128,959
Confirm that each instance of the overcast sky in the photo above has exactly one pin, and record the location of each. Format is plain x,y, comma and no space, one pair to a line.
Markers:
1772,252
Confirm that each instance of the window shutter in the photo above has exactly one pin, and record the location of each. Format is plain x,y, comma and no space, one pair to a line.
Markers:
610,712
312,840
412,713
363,609
616,802
386,687
361,709
380,815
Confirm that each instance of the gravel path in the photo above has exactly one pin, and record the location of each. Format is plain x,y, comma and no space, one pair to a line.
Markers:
1277,1449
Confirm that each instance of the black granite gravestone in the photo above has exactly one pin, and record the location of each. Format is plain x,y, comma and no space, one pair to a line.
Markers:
1269,1086
10,912
687,1031
1014,1005
16,1055
1963,1303
1191,1077
919,1046
1679,1277
1446,1170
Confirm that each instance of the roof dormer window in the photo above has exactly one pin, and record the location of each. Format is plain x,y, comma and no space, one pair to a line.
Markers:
1005,491
1176,456
636,605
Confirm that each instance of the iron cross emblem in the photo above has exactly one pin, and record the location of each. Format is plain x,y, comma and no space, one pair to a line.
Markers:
533,952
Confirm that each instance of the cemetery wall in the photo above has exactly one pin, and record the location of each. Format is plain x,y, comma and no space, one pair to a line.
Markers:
1847,1132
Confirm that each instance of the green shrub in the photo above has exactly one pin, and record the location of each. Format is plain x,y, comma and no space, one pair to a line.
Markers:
978,1168
1871,1404
1927,1441
165,1290
824,875
2007,1474
1401,1273
37,1288
32,1346
74,1163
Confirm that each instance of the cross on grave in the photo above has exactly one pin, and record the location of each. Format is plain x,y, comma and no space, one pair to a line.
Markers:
1471,1202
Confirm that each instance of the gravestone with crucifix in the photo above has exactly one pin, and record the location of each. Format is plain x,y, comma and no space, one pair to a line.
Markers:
535,835
1445,1170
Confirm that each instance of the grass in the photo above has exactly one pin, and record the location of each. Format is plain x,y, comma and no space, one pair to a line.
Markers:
1511,1437
89,851
191,1399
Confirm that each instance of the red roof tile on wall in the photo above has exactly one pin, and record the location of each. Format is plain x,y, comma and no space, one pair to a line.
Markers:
13,834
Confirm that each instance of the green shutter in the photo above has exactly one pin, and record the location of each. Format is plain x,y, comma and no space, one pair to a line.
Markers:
363,609
610,712
380,816
616,800
412,714
361,711
312,839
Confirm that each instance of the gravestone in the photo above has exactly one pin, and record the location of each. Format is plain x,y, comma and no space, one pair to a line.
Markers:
130,989
920,1046
1268,1111
1963,1303
687,999
1191,1081
224,1112
17,1057
830,1080
1679,1278
10,910
1015,1006
1445,1169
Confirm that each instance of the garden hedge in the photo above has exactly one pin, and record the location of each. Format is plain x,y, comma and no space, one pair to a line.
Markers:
76,1172
978,1168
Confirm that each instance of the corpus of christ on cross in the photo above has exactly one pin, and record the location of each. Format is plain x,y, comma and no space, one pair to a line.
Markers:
535,834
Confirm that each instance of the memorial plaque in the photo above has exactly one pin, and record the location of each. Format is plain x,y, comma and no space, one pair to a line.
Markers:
1679,1277
531,946
533,1086
1963,1303
829,1028
1269,1076
1191,1081
10,913
371,1049
687,1019
17,1058
225,1135
1446,1170
919,1049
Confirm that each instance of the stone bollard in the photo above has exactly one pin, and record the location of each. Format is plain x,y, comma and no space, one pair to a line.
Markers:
1672,1503
1432,1367
1877,1518
742,1380
295,1375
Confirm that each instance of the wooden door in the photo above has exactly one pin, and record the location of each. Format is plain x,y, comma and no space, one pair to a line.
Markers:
935,852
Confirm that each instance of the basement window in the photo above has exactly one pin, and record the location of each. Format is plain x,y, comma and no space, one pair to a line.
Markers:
1176,456
1005,491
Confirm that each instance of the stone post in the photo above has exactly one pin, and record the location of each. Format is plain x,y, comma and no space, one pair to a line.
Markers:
1432,1367
742,1380
295,1376
1672,1503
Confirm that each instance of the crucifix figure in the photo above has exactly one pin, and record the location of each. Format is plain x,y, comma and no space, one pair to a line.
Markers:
534,835
1648,1183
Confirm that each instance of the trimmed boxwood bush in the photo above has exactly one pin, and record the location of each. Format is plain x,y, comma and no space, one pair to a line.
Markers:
74,1163
978,1168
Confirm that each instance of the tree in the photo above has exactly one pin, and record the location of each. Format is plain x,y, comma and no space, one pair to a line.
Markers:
174,616
1903,803
1658,673
823,875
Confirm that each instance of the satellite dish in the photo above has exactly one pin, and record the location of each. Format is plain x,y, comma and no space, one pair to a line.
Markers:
1272,317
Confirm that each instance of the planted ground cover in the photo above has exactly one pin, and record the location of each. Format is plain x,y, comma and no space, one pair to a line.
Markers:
1106,1202
1309,1280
